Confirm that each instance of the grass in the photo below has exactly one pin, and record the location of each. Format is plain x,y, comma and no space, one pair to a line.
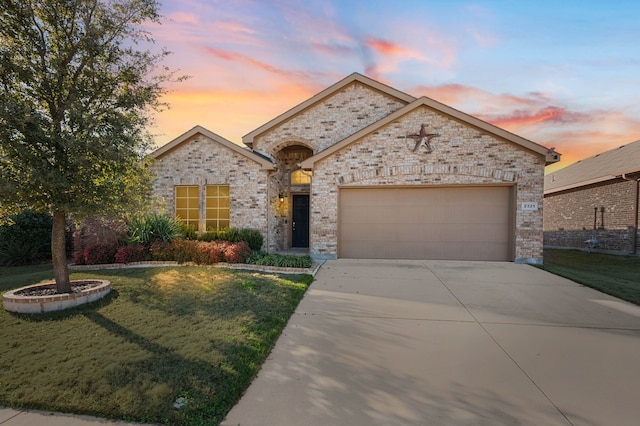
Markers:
618,276
162,334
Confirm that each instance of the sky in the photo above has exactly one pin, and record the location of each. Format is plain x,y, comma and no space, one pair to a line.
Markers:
564,73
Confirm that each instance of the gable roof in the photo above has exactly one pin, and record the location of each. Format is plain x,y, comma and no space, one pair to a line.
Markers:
174,144
599,168
329,91
550,155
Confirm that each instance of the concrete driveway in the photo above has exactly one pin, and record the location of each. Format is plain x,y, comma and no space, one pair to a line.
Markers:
449,343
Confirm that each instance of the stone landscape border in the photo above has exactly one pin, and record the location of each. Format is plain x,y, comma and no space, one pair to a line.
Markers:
14,302
246,266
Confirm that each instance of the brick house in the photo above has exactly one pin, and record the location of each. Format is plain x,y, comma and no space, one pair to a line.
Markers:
595,200
362,170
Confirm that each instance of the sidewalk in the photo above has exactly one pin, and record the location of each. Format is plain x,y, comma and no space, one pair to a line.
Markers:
16,417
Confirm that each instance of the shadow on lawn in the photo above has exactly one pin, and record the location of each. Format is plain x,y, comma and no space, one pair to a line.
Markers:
155,382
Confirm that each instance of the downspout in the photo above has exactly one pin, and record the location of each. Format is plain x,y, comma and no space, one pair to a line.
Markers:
635,210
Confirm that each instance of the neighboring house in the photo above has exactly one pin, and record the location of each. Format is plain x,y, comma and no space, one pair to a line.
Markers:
594,202
362,170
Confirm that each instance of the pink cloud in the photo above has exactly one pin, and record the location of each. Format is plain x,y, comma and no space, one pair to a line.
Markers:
519,118
332,49
184,18
542,118
231,113
232,56
384,46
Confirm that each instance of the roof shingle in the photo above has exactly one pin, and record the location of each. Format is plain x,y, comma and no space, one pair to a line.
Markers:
601,167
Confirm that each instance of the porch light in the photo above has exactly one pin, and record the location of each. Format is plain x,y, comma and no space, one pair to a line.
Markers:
281,196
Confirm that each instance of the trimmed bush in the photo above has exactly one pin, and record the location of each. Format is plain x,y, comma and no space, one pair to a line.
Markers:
183,251
200,252
280,260
216,252
237,252
252,237
161,251
25,238
131,253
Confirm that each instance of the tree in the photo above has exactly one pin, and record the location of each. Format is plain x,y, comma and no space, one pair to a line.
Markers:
76,89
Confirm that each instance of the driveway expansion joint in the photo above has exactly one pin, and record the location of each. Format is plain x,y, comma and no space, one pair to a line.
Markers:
513,360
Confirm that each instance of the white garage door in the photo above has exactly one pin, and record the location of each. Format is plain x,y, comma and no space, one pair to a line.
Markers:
455,223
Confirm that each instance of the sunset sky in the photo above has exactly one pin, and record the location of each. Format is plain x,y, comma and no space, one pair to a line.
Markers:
565,74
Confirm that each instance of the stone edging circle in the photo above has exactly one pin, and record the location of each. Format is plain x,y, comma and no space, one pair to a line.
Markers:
13,302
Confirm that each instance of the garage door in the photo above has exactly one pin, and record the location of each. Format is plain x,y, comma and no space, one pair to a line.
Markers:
461,223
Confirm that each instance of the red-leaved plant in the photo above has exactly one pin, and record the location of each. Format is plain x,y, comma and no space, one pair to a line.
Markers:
131,253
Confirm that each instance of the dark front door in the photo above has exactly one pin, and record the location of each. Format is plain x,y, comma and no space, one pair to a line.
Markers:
300,221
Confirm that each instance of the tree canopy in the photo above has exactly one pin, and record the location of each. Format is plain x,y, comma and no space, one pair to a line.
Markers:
78,80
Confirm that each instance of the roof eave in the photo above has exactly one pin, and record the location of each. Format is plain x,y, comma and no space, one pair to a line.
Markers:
550,155
174,144
580,184
248,139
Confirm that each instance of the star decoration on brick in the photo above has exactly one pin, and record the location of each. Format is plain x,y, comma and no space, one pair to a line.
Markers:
423,139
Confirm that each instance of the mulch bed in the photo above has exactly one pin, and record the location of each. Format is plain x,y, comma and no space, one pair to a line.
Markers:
50,290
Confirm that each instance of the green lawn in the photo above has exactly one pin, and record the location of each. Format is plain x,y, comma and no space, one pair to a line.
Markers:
163,333
615,275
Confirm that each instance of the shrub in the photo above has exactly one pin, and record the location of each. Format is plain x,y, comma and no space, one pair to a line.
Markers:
97,230
99,254
188,232
200,252
216,252
161,251
152,227
184,250
131,253
279,260
252,237
237,252
25,238
20,252
78,257
213,236
255,256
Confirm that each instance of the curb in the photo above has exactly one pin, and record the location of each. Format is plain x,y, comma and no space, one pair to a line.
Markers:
241,266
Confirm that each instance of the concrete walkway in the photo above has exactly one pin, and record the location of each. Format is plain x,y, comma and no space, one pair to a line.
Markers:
449,343
15,417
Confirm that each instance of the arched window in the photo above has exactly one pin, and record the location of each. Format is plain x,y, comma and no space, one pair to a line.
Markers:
301,177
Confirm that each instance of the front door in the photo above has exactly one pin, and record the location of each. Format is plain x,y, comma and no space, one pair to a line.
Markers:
300,221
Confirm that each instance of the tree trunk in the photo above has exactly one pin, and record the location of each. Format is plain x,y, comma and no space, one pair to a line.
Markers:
59,252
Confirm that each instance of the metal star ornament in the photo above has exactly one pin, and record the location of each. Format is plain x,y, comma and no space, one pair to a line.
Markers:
423,139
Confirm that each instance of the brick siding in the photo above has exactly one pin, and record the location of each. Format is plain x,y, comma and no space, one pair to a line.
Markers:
569,216
331,120
462,156
202,161
344,113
